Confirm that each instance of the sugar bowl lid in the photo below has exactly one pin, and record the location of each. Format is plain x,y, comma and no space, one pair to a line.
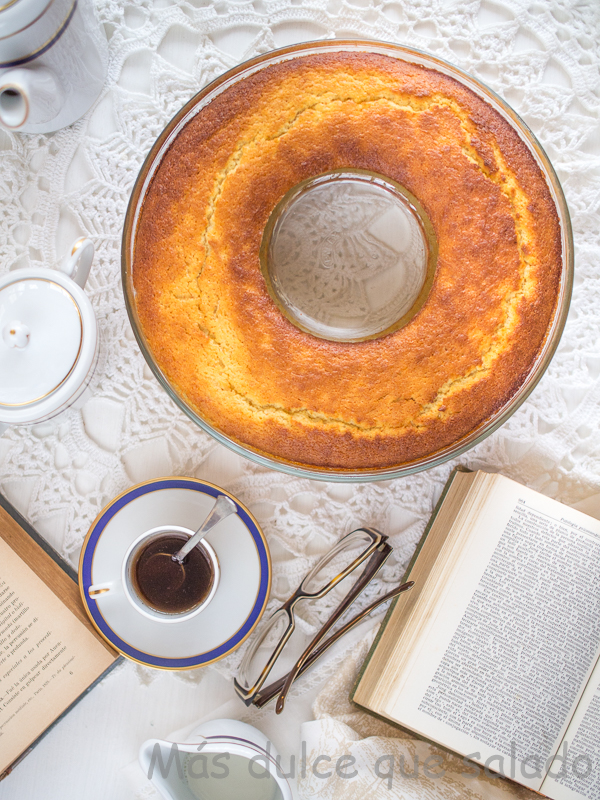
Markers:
47,337
41,330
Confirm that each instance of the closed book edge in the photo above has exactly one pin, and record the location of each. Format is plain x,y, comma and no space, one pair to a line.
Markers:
7,509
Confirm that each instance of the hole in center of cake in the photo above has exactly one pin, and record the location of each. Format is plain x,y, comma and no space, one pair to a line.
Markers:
349,255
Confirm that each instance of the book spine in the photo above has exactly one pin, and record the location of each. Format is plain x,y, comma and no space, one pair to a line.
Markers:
68,569
39,540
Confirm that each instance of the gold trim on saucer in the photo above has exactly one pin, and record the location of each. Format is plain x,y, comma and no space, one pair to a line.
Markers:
195,666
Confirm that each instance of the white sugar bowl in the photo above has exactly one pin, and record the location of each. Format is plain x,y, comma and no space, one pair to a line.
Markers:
48,339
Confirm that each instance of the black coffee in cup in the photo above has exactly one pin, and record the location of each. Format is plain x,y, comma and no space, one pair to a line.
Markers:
164,584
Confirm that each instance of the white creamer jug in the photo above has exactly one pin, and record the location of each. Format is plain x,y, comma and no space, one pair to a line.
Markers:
221,760
53,62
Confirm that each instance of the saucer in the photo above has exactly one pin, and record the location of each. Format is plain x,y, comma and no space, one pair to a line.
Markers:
233,612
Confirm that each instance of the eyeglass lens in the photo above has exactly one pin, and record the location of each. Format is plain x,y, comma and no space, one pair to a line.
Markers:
340,558
270,631
261,647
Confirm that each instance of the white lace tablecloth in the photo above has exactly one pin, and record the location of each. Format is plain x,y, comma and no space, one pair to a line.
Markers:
542,56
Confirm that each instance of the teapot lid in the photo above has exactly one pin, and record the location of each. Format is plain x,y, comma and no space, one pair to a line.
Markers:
17,15
41,334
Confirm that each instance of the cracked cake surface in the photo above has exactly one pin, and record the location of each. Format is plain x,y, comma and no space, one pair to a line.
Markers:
232,356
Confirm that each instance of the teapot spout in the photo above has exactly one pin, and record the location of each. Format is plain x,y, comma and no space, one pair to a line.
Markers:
28,95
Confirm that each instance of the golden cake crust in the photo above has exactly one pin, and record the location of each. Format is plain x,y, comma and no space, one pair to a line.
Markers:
232,356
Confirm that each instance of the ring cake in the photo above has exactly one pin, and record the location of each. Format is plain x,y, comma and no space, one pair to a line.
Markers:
243,367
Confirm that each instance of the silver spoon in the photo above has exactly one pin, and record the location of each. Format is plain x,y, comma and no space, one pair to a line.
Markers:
221,509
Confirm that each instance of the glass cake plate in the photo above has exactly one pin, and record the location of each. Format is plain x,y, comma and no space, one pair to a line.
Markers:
342,295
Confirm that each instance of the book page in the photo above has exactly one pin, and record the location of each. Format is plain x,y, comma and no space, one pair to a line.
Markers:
503,661
432,560
47,656
575,772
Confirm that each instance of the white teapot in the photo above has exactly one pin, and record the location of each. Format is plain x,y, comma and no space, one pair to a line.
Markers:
53,62
48,339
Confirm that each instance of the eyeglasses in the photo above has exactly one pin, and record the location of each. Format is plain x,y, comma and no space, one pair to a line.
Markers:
362,546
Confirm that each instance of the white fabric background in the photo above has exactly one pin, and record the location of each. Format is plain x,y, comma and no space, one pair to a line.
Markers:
542,56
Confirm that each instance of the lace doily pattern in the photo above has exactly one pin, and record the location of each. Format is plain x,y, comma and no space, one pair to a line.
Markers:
347,257
543,57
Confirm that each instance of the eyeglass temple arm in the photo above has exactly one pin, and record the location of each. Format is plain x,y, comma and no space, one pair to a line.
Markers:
269,692
375,563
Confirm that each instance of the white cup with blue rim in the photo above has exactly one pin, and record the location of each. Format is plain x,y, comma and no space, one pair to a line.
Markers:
127,583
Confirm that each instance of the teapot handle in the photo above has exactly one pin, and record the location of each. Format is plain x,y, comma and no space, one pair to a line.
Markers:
78,264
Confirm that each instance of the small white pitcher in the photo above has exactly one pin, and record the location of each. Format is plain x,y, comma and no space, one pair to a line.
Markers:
221,759
53,62
48,339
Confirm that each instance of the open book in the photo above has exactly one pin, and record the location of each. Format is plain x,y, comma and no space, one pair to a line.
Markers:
495,652
49,652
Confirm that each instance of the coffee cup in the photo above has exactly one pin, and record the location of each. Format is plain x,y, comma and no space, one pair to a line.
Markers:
160,588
